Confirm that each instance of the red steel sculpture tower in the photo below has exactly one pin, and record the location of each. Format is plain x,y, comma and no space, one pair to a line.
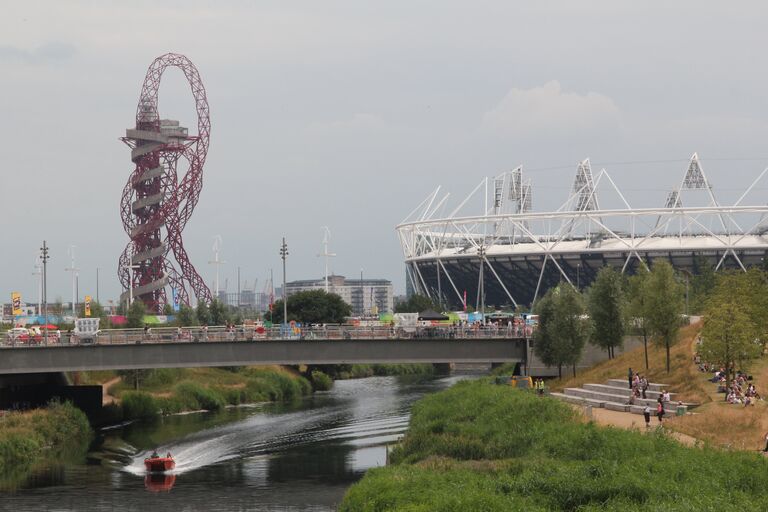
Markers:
157,201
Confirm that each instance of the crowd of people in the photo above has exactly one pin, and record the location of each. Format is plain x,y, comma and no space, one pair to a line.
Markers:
742,390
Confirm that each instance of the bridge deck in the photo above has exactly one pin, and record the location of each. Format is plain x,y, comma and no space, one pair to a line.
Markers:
122,356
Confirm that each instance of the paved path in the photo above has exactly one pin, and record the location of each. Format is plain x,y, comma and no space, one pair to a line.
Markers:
631,421
106,398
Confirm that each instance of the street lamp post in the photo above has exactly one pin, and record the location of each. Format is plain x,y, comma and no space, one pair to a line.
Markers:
284,255
481,288
44,258
130,282
578,276
74,271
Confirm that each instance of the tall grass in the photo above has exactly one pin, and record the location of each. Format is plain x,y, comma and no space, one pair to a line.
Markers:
211,390
59,429
478,446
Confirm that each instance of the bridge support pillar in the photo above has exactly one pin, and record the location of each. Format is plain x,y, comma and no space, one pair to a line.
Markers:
443,368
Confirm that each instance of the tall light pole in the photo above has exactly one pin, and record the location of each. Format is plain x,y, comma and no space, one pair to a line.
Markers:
578,276
130,282
284,255
362,295
217,262
325,253
97,285
481,287
44,258
39,273
74,271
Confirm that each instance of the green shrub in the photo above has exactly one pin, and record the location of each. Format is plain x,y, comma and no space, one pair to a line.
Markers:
478,446
196,397
403,369
139,405
59,430
320,381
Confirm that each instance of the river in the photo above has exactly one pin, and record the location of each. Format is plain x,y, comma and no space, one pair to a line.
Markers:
277,457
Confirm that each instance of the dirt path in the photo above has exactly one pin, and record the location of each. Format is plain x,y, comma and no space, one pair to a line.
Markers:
629,421
106,398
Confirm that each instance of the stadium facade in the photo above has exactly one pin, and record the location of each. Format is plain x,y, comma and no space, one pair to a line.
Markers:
508,255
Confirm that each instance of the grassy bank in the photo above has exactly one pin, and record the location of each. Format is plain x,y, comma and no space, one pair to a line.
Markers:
56,431
171,391
478,446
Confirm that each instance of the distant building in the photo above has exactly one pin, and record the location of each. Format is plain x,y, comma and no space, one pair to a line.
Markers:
367,297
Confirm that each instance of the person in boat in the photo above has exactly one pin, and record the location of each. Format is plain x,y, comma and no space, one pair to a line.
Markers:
168,455
154,455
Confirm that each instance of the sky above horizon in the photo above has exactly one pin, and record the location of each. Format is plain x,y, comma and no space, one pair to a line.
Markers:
348,114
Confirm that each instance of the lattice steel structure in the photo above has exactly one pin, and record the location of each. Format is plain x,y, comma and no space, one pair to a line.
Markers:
515,255
157,200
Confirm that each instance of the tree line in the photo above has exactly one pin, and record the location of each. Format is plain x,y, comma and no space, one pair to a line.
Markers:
653,303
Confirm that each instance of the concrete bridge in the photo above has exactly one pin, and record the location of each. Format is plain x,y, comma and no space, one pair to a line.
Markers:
24,359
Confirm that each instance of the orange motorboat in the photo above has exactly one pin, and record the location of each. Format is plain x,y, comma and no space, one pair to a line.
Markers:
157,464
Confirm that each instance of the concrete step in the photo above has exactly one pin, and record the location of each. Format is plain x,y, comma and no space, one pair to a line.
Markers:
614,406
568,398
587,394
623,383
594,403
595,395
621,390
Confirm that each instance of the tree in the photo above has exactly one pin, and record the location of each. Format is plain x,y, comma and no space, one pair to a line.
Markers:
637,304
219,313
563,330
136,314
203,314
607,310
664,304
186,316
729,336
168,310
416,304
313,306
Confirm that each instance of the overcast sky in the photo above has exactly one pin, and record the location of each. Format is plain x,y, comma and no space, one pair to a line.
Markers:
347,114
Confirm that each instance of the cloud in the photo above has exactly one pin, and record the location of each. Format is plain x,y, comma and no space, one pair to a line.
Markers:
49,52
548,110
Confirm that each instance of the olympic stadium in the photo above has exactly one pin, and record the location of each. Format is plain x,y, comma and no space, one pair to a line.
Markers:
507,255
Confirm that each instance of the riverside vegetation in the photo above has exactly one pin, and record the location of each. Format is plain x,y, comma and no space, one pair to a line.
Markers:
478,446
53,433
169,391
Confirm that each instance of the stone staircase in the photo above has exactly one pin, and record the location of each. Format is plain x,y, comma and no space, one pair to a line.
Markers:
614,395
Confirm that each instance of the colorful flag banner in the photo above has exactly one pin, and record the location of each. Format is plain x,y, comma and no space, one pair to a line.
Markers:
87,305
16,302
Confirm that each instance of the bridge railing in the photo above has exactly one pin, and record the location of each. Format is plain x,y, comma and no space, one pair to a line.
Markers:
252,333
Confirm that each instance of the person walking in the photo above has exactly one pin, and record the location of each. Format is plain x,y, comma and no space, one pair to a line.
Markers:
643,385
660,411
630,374
647,416
765,450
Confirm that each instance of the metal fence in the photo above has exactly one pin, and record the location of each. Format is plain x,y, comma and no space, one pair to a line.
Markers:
251,333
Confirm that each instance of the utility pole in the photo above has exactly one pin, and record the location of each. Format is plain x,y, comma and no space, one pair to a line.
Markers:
97,285
130,282
481,288
217,262
578,276
39,273
284,255
325,253
74,271
362,295
44,258
238,288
